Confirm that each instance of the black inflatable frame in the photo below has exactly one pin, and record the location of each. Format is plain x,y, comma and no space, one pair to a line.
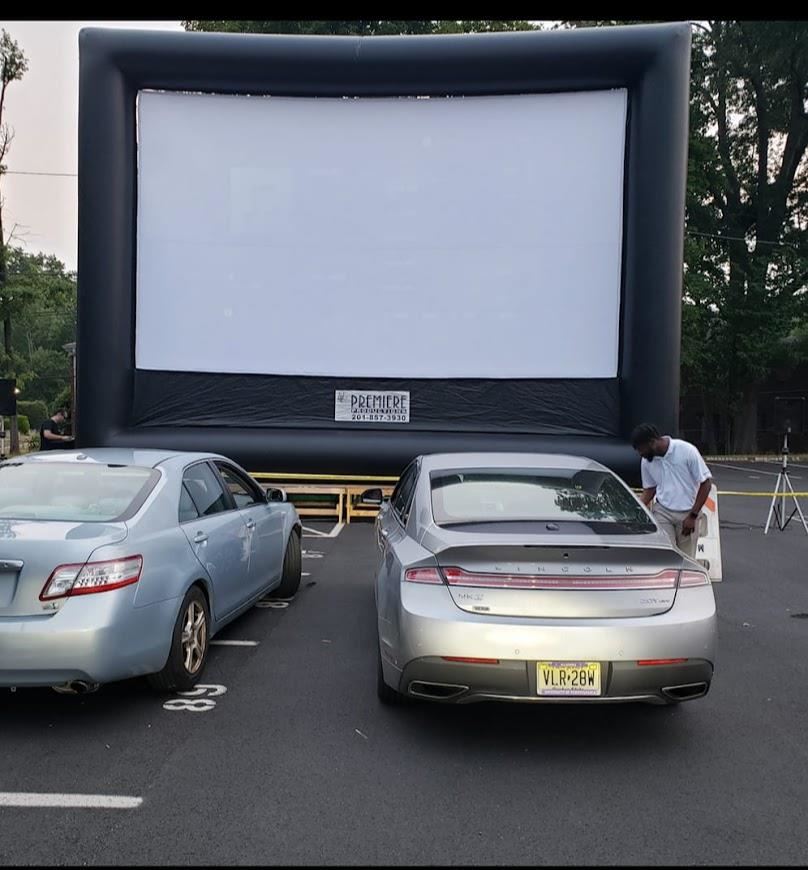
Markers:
120,406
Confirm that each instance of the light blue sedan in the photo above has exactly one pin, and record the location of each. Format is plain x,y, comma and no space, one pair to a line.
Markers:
118,563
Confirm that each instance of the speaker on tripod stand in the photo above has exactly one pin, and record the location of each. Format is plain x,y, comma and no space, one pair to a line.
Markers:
782,490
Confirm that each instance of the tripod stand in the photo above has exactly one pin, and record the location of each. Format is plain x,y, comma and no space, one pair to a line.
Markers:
782,489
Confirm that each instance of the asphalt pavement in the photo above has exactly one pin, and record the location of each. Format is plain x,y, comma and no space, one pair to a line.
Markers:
287,757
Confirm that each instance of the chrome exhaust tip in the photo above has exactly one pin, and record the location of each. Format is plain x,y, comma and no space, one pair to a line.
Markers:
76,687
686,692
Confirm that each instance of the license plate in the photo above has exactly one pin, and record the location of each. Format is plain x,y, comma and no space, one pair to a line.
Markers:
568,679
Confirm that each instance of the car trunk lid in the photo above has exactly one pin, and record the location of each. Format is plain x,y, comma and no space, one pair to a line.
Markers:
564,579
31,549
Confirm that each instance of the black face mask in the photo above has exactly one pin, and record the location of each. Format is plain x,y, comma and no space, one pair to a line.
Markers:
647,454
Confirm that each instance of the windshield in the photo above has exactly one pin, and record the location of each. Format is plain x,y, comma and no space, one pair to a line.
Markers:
534,495
72,491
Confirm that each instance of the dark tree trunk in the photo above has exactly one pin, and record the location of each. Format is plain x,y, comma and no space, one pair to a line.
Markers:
746,425
708,428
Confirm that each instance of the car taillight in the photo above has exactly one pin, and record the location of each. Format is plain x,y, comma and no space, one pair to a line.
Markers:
423,575
693,578
662,580
92,577
469,660
661,661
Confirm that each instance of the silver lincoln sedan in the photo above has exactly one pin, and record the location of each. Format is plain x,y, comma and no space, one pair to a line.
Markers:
117,563
527,577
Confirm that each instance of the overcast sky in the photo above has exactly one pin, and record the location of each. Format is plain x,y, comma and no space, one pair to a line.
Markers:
43,110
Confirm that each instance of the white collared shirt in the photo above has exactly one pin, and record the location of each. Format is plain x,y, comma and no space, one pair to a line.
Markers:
677,475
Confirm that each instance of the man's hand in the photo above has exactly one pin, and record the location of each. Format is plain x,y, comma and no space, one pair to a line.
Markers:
689,525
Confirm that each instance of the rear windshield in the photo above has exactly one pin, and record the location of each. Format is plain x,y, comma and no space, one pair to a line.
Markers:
72,491
535,495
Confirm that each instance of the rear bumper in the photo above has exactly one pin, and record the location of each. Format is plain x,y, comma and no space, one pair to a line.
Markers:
431,626
437,680
95,638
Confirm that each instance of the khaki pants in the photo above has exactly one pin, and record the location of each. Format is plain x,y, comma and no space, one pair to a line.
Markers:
671,522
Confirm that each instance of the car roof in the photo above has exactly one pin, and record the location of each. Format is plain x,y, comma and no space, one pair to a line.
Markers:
561,461
119,456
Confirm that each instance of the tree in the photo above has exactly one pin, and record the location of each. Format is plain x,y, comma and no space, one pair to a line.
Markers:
40,295
357,28
746,248
13,66
748,208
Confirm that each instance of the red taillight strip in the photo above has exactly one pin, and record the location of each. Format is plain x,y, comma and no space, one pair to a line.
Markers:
423,575
459,577
90,590
469,660
661,661
693,578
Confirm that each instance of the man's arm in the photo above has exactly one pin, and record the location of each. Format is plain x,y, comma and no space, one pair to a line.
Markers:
689,523
49,435
648,483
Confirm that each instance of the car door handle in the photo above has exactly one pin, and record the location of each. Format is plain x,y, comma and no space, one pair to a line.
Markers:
200,538
250,524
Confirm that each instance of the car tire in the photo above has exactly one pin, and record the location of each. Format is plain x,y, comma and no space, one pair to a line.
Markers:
292,568
387,694
190,642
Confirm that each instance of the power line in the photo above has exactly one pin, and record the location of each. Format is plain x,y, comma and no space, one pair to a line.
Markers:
50,174
740,239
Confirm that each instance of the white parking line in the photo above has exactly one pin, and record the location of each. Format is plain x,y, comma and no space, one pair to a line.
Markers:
758,470
234,643
89,801
739,468
315,533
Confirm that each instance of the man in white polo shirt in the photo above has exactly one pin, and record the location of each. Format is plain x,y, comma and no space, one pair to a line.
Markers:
674,473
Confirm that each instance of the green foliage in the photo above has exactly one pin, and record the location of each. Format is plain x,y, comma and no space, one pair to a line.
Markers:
36,412
356,28
745,306
746,259
23,425
13,63
39,299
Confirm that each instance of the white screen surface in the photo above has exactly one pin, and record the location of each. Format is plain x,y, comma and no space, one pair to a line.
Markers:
465,237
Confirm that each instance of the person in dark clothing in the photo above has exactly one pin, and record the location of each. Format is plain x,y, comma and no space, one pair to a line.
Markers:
50,433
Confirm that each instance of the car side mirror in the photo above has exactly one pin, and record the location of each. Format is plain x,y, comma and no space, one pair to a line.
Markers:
372,497
275,494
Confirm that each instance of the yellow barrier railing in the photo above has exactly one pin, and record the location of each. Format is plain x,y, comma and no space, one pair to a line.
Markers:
262,475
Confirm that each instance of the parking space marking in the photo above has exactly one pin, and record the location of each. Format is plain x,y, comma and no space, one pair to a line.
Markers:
312,554
315,533
196,700
739,468
234,643
758,470
86,801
